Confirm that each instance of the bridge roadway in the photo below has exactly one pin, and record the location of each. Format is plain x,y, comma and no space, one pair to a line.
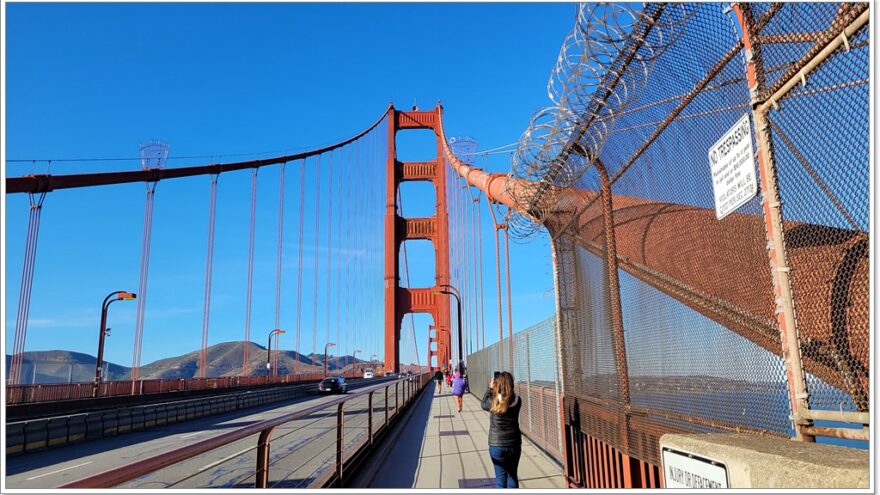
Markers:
301,449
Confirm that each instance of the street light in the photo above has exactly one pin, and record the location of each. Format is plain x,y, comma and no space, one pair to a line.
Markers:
454,293
371,361
329,344
269,369
354,359
120,295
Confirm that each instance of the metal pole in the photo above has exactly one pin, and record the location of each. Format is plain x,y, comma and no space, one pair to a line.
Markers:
460,330
616,309
262,474
798,394
269,356
340,427
370,417
102,332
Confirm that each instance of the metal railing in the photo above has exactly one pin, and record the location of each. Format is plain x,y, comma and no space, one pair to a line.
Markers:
394,396
28,394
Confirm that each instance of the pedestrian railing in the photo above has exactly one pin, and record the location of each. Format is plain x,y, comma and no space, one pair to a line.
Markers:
323,461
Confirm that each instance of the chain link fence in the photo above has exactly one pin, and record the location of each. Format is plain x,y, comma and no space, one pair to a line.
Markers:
681,314
536,376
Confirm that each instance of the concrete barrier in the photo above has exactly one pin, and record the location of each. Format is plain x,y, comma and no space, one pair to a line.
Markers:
36,436
56,431
15,438
76,428
754,461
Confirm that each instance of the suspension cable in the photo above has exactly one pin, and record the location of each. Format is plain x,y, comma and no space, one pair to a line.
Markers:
27,280
245,367
142,282
330,257
209,267
299,272
315,255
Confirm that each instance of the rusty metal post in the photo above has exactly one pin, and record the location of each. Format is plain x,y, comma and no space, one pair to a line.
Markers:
529,381
340,433
796,378
562,318
262,474
370,417
616,309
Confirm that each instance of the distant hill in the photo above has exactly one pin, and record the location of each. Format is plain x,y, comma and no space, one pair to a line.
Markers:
64,366
224,359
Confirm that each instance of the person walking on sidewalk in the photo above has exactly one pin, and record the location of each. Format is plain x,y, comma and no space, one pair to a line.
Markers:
458,390
438,377
505,438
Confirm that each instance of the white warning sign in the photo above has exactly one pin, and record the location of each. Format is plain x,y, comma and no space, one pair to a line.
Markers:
733,168
687,470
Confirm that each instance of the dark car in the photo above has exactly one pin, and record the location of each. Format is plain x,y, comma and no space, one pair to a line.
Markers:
333,385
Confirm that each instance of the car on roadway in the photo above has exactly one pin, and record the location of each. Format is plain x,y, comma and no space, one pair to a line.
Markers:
333,385
368,373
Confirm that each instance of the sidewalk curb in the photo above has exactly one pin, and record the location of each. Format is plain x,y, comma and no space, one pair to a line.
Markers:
368,472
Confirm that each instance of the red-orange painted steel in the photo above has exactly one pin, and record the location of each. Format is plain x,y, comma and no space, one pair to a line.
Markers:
592,463
400,301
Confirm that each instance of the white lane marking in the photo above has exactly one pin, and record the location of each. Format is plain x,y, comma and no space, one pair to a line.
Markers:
191,434
209,466
57,471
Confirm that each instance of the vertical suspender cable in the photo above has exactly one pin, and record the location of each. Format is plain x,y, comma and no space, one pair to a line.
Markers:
315,254
498,281
338,299
279,260
299,268
349,297
477,274
474,310
142,282
27,280
245,366
209,267
330,252
279,254
509,302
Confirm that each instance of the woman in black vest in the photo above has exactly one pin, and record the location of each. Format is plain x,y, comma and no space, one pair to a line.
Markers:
505,439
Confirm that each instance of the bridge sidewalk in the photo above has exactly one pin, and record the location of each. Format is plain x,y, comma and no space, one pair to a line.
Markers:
441,448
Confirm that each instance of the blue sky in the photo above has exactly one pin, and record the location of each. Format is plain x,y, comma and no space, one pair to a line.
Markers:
97,80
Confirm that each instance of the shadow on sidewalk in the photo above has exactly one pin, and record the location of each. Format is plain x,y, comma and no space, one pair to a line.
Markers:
399,455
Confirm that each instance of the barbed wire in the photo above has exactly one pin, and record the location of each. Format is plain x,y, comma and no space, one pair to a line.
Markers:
603,64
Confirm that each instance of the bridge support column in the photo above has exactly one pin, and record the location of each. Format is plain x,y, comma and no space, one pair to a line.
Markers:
399,300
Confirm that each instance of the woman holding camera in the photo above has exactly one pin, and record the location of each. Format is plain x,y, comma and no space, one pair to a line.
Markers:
505,439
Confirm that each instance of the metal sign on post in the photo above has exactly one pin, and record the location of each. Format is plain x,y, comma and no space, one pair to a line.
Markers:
732,164
686,470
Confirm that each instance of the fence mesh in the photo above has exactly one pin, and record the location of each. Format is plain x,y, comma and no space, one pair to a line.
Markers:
536,375
677,329
822,169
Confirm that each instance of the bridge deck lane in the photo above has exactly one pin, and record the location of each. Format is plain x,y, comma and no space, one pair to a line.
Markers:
300,449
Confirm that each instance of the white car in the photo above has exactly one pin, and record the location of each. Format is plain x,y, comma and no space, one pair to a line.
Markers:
369,374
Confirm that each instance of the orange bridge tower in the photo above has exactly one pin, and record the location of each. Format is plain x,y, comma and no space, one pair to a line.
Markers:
399,300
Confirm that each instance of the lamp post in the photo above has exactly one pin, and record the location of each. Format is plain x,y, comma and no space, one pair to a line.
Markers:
454,292
372,361
269,369
354,359
119,295
329,344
